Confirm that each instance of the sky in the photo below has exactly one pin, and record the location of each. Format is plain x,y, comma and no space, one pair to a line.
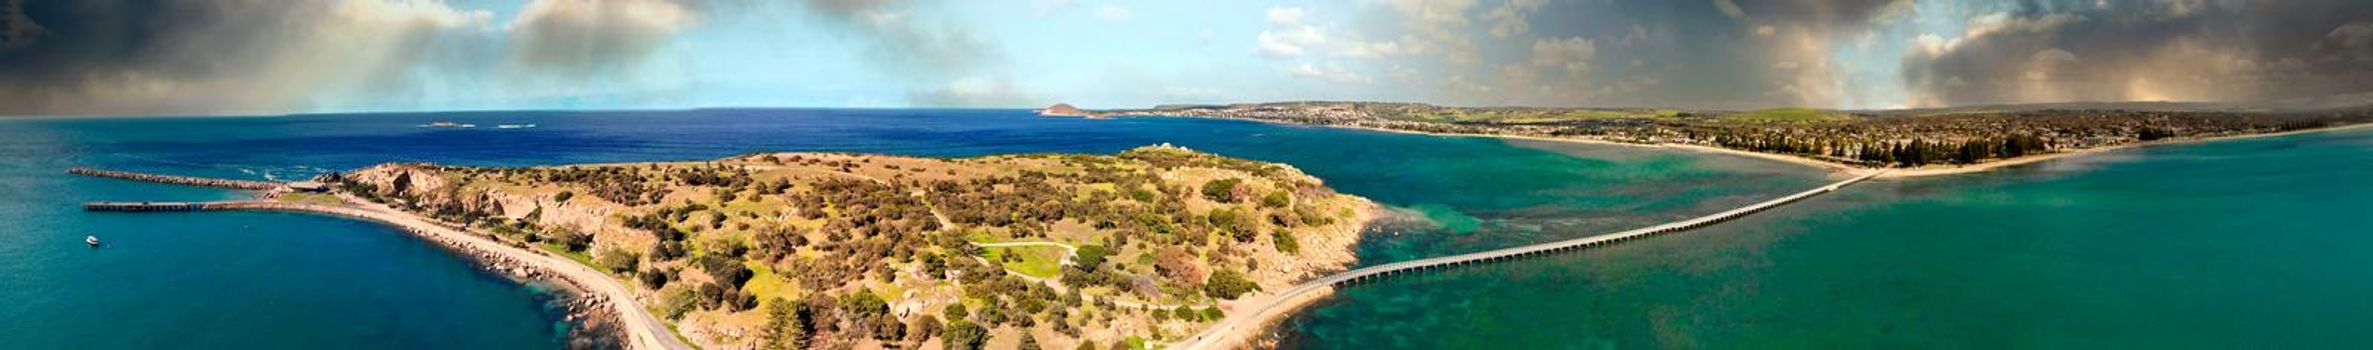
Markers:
210,57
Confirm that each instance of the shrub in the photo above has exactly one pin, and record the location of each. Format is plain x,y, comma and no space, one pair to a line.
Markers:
1222,190
1228,284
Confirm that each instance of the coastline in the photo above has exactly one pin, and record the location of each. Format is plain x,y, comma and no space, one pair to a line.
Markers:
1842,168
587,290
1241,327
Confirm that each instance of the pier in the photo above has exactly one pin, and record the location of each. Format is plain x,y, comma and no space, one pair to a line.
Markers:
178,180
1220,335
146,206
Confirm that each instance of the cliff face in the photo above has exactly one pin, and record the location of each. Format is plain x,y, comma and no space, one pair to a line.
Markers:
1068,248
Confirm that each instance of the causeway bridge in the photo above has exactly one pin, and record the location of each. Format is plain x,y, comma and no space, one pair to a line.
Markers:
1220,335
178,180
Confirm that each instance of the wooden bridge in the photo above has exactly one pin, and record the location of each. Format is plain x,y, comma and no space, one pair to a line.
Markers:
178,180
1212,337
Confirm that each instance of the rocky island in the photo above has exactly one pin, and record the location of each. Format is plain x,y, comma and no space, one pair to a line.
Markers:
833,250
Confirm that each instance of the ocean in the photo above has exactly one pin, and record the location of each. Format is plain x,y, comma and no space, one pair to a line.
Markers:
2163,246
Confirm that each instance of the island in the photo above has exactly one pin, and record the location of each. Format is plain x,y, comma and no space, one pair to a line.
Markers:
1065,110
1916,142
836,250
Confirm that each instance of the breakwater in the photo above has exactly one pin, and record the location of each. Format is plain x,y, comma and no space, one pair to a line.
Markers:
178,180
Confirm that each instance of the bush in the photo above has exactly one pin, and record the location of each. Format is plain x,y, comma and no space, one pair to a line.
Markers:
964,335
1276,199
1285,242
1222,190
617,260
1228,284
1089,256
563,196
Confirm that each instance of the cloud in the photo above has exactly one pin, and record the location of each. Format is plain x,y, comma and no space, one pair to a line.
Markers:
255,57
1509,19
1112,13
1332,72
2176,50
1288,36
582,38
1571,55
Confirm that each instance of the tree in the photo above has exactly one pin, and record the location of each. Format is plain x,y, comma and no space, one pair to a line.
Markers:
964,335
787,325
1029,342
617,260
1228,284
1089,256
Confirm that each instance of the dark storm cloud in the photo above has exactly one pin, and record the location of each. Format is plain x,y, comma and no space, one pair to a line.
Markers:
2148,50
268,56
1695,53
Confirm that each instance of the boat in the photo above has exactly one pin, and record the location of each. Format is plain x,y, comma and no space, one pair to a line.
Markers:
91,240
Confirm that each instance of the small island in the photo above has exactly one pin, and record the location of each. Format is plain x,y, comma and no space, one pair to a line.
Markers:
1066,110
834,250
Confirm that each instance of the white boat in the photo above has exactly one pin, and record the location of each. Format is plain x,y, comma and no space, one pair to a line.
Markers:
91,240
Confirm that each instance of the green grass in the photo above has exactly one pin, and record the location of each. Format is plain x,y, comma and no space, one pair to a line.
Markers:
310,198
1036,261
1787,115
580,257
766,284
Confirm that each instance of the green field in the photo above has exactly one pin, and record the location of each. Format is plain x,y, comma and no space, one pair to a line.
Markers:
1035,261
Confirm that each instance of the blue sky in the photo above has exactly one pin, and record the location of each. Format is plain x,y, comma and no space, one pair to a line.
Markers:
308,56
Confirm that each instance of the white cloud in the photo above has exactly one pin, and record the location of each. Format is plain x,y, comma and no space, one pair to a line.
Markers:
1286,16
1509,19
1288,36
1114,13
1765,31
1329,72
1571,54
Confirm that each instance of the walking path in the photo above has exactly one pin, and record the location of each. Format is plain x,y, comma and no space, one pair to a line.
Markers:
1237,328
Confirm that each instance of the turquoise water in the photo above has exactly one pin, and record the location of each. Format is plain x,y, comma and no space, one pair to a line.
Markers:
2258,243
250,280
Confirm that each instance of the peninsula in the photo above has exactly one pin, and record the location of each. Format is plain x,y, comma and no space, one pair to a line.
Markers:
831,250
1909,142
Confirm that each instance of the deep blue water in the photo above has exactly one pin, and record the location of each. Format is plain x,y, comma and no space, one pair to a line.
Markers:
249,280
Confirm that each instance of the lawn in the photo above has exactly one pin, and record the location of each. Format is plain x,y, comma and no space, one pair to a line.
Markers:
1035,261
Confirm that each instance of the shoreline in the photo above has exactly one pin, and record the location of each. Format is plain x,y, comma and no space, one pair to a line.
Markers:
587,290
1243,327
1835,167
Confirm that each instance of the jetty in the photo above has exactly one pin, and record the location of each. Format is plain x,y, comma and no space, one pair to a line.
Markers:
146,206
179,180
1226,334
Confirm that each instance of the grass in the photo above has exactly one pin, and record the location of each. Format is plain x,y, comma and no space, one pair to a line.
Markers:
1035,261
580,257
766,284
310,198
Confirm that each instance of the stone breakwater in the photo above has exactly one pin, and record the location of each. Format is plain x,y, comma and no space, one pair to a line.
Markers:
178,180
599,316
